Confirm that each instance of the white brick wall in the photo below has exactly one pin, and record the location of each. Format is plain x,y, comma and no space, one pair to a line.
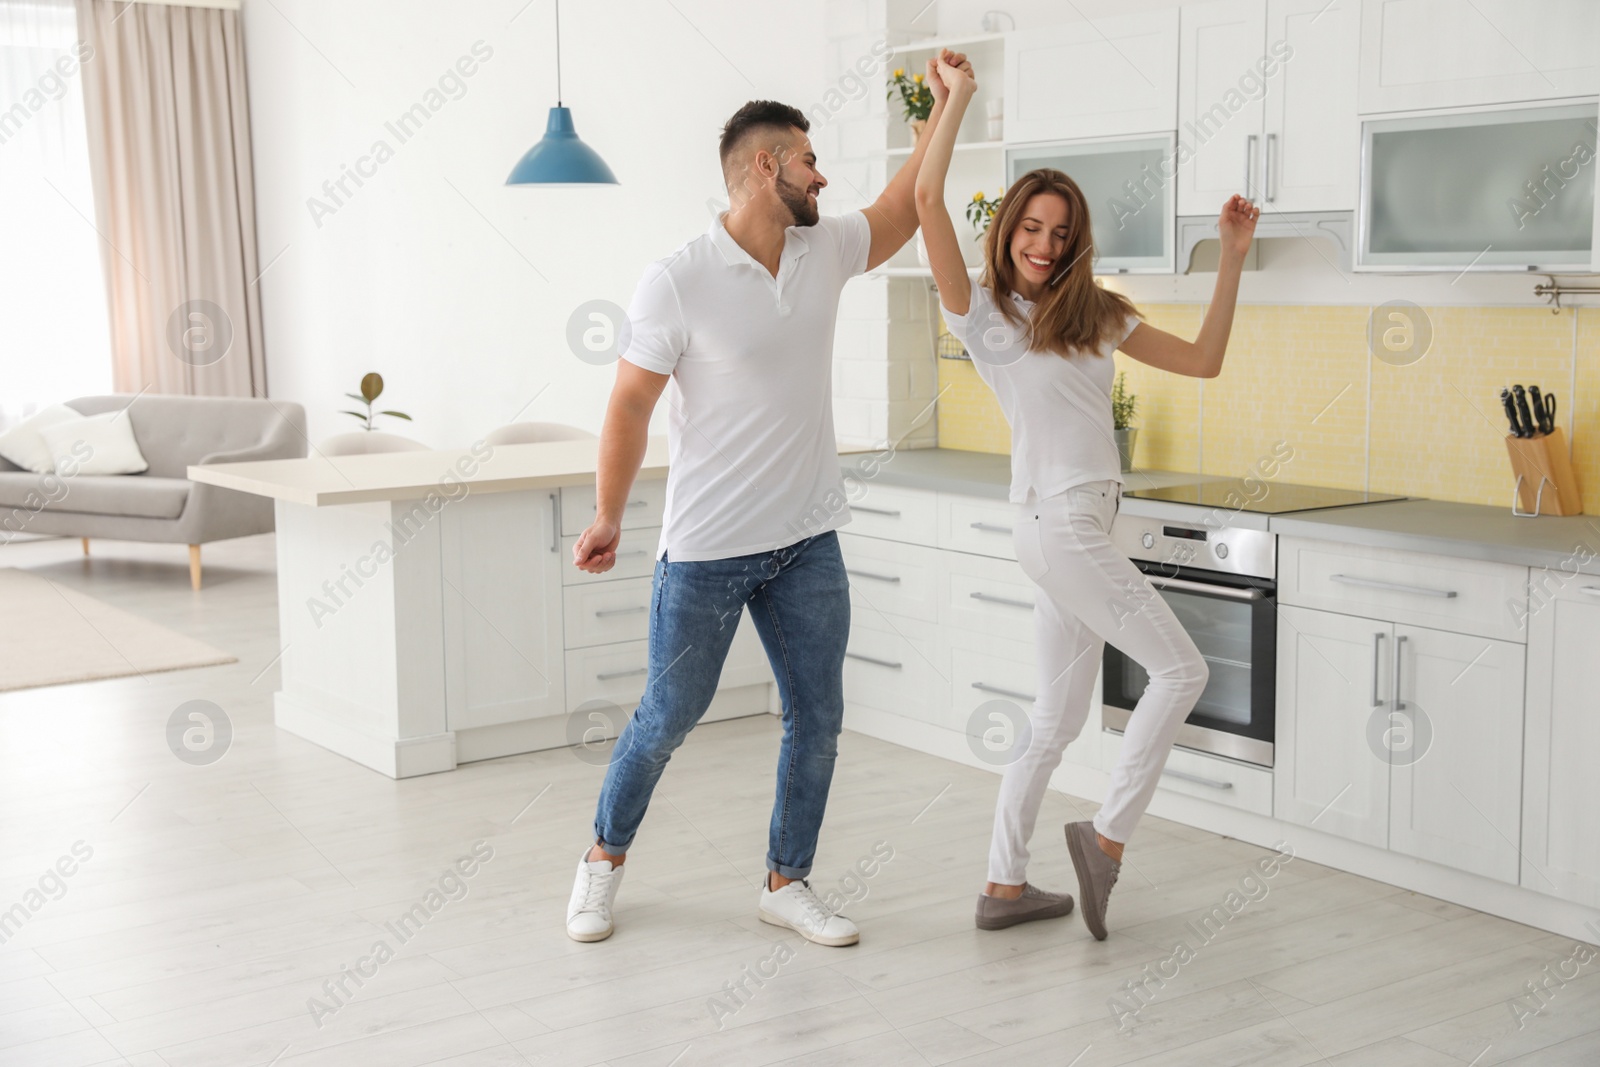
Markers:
884,375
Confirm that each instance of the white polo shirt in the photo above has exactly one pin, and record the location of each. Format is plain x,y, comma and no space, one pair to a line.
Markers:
1059,407
754,465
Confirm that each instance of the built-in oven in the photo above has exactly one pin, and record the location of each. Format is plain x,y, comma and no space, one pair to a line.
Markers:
1221,584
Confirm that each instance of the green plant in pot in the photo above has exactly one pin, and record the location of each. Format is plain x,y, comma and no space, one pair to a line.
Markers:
371,389
1123,407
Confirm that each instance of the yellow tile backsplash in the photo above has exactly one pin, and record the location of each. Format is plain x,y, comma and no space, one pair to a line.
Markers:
1303,375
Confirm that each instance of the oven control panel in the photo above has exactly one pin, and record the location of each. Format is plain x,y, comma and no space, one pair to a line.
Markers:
1225,548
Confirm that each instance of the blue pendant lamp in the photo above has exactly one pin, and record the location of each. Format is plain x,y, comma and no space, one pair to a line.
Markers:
560,158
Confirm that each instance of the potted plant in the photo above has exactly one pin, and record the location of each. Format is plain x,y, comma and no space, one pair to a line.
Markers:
371,389
369,438
916,100
981,211
1123,406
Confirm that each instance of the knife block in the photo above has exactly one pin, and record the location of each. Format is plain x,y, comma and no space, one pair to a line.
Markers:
1542,463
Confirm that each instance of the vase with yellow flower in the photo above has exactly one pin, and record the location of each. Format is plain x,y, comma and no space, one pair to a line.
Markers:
916,100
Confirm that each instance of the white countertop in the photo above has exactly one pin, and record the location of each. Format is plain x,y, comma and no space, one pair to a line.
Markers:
321,481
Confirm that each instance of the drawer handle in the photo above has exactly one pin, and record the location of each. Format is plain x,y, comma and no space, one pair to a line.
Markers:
991,599
609,675
874,661
1420,590
991,527
895,578
1197,779
875,511
635,552
995,689
1591,590
620,611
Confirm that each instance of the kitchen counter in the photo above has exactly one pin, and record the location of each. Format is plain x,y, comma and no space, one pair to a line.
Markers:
1469,531
323,481
981,474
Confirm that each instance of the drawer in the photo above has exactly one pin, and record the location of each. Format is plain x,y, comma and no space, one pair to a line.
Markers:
601,613
889,578
1195,774
990,596
647,506
977,678
636,558
618,672
894,665
974,524
607,672
894,513
1463,596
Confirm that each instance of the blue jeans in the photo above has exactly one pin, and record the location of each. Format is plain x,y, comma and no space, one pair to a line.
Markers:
799,599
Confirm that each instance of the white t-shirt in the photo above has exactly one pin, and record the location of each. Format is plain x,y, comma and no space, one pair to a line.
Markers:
1059,407
753,462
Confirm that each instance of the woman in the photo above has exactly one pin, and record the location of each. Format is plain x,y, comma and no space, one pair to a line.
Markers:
1041,333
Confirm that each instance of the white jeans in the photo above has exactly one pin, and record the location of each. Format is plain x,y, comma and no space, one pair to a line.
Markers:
1089,594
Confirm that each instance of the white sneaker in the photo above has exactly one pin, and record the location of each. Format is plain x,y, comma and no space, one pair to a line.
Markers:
589,910
798,907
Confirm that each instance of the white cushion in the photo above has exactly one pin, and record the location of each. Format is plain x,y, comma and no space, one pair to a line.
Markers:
98,444
23,445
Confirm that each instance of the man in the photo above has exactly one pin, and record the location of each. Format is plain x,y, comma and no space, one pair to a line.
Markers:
742,320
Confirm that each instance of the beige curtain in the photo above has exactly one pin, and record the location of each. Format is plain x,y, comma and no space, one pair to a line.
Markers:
169,153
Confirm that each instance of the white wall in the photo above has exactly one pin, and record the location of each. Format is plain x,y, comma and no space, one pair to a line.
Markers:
431,272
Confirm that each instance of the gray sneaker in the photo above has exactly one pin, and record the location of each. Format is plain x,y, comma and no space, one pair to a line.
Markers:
1097,873
997,913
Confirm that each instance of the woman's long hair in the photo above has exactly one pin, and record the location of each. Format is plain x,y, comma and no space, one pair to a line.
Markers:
1074,312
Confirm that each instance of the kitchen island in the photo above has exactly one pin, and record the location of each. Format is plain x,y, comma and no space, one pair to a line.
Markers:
429,613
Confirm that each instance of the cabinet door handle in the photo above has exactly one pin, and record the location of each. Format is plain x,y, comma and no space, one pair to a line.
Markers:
1249,159
609,675
606,614
1374,583
990,527
1377,639
985,687
1399,659
1209,783
555,525
874,511
1266,176
895,578
991,599
1591,590
873,660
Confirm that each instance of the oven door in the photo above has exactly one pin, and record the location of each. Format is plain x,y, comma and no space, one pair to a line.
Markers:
1232,621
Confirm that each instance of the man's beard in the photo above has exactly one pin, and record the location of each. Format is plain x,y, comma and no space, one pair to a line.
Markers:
799,204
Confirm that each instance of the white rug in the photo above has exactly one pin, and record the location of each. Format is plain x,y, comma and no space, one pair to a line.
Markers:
51,635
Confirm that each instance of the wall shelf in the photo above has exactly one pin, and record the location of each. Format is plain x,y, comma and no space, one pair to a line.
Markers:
961,146
934,44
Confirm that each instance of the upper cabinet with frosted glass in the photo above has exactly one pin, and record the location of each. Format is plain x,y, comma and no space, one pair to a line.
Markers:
1478,135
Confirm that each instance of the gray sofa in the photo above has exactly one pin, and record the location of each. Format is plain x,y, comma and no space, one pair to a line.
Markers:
161,504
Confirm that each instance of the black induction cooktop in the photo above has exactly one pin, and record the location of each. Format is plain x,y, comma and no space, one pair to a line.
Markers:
1259,495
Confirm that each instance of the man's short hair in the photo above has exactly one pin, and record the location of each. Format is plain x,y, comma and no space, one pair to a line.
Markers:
758,116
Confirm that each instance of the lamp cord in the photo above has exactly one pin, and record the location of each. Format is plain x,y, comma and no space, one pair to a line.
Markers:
558,53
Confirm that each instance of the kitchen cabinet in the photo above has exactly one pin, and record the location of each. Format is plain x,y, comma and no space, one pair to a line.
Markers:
1490,189
1560,789
1127,183
1267,105
503,654
1418,54
1415,729
1092,79
1455,786
1333,673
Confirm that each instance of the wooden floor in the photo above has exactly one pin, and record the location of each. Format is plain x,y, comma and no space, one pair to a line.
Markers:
222,903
